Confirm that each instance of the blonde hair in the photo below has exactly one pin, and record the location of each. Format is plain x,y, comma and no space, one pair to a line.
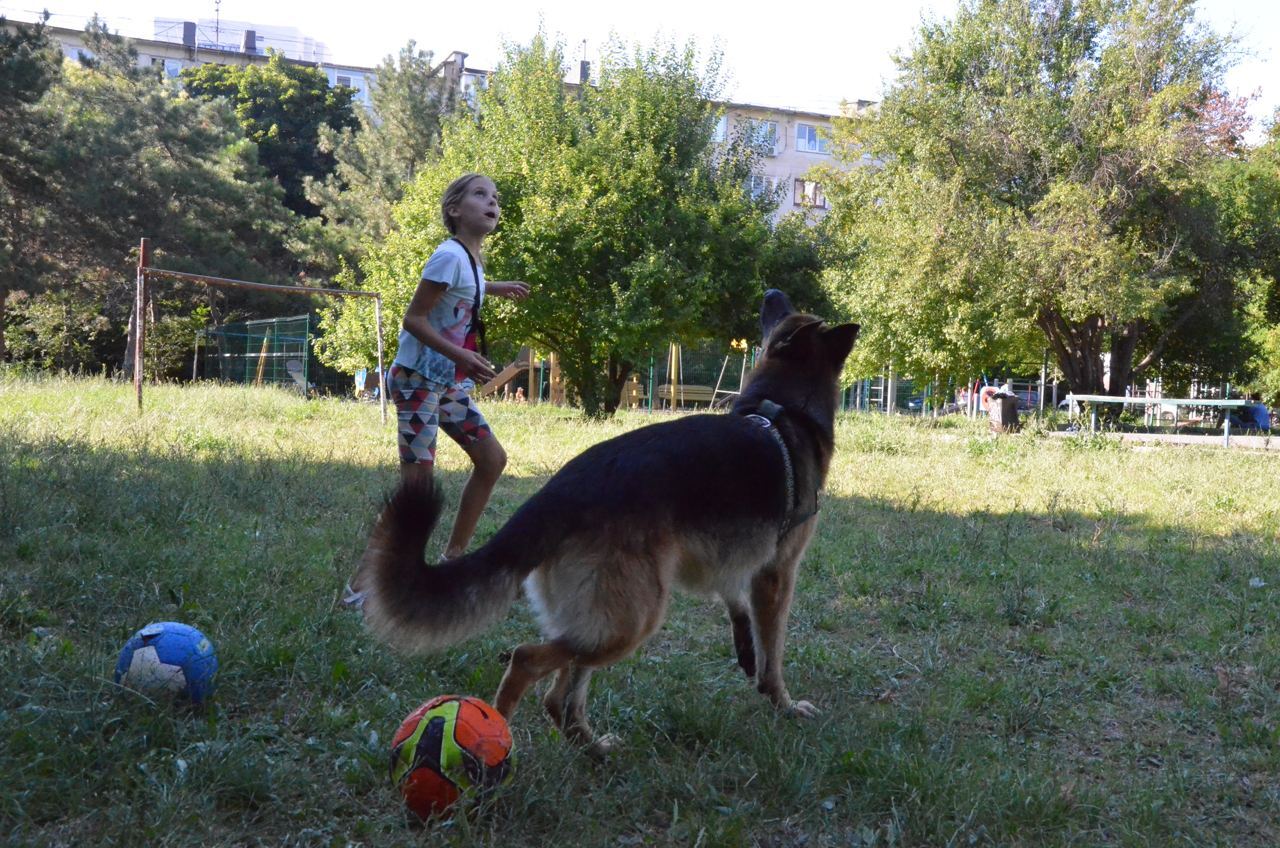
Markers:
453,196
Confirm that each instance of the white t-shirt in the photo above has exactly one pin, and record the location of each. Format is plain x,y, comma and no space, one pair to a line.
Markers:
449,266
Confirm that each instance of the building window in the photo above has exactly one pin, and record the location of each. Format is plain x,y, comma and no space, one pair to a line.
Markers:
809,140
721,132
763,136
472,84
759,185
809,193
169,67
345,81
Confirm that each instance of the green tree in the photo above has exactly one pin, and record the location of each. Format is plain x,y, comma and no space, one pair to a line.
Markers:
794,259
1257,186
375,161
632,227
1043,178
30,65
282,107
124,154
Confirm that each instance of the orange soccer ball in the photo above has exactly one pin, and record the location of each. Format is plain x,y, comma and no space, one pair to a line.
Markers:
451,747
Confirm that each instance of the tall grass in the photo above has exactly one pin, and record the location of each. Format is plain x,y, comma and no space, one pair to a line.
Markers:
1016,641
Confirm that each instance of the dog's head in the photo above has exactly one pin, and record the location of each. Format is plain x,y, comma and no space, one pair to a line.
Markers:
805,338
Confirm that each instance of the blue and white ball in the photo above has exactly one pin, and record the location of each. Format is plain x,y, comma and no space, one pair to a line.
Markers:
167,658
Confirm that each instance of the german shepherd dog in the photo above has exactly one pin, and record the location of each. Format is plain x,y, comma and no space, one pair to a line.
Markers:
719,504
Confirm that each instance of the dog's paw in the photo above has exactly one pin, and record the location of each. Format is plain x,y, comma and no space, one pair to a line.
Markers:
604,745
803,709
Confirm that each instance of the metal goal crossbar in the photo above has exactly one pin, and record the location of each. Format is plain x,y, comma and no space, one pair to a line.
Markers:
146,273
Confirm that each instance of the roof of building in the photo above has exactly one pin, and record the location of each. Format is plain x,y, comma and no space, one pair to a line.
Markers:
64,33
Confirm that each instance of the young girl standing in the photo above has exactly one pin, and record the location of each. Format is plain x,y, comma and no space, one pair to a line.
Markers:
440,358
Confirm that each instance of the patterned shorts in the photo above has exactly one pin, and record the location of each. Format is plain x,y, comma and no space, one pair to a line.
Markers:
421,410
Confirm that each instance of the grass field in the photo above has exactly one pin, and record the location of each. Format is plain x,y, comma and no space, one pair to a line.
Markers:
1015,641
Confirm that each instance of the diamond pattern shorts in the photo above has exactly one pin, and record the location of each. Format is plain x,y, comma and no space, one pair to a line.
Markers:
422,410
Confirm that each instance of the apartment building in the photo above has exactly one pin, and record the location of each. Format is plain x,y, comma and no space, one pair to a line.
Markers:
793,143
187,44
230,36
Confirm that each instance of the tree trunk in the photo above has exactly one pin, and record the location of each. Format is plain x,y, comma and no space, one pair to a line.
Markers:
618,372
1124,341
588,383
1077,348
598,388
4,296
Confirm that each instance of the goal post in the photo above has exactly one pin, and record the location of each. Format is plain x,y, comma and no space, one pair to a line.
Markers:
147,273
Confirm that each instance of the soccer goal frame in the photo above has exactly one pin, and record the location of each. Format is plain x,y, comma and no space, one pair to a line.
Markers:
147,273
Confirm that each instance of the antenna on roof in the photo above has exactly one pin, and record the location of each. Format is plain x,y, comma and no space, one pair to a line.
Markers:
217,22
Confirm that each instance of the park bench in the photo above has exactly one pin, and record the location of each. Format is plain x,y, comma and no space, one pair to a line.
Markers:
685,393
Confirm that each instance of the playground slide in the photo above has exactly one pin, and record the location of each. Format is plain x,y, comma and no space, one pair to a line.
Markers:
506,375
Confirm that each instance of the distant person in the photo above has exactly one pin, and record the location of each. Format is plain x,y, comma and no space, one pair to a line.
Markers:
1257,415
1253,415
441,355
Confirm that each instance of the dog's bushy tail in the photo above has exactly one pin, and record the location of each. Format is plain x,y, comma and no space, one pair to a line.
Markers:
423,607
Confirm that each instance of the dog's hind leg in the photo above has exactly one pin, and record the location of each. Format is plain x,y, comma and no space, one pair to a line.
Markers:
554,702
529,664
576,727
744,644
566,705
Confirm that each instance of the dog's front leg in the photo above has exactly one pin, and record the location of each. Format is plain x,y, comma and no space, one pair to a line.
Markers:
771,592
529,663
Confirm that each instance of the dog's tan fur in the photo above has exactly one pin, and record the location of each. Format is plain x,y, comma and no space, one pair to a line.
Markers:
698,503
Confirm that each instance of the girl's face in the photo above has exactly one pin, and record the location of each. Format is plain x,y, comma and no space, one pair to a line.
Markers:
477,213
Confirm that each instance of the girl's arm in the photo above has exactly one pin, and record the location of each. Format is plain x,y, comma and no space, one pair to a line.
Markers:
424,300
513,289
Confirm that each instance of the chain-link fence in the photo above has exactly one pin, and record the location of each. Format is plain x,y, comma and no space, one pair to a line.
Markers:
267,352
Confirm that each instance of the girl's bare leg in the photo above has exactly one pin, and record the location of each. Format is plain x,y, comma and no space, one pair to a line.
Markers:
489,458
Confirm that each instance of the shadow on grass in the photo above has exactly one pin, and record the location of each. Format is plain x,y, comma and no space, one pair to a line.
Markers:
1049,676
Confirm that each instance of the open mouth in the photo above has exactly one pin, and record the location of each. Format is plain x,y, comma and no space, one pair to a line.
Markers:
493,215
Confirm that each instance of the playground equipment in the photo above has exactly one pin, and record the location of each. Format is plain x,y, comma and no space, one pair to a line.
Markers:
675,391
678,391
266,352
533,377
741,346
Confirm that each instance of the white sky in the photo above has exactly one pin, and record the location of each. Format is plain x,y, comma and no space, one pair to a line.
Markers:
807,55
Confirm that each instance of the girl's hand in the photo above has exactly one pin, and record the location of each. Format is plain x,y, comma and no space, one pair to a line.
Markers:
513,290
475,366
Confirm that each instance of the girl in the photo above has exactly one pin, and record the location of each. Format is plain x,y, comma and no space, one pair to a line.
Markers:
441,357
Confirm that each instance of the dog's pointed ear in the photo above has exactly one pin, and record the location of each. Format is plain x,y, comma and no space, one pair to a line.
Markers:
838,341
786,339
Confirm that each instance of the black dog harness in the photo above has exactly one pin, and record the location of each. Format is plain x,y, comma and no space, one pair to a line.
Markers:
764,417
